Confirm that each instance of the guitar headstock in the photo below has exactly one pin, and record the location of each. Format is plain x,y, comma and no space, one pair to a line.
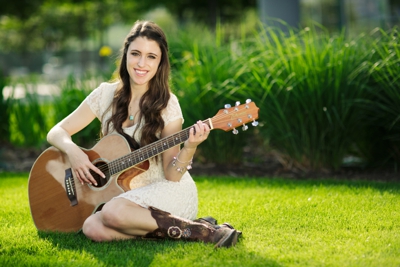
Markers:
231,117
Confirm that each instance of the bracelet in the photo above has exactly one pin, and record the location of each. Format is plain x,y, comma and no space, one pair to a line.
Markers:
183,168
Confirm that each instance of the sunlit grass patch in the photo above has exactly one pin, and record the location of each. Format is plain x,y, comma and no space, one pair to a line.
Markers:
284,223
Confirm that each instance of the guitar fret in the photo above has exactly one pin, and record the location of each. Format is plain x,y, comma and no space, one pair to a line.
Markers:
154,151
148,153
137,155
111,168
116,169
178,139
145,153
117,166
142,156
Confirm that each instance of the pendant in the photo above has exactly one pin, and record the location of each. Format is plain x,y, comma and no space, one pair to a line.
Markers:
131,117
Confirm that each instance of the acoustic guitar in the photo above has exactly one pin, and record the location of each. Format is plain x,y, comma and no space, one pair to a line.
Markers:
58,202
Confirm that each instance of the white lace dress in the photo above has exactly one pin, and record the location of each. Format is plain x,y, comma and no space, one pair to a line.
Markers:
151,188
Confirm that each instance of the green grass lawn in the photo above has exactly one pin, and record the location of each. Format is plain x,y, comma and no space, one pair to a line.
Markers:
284,223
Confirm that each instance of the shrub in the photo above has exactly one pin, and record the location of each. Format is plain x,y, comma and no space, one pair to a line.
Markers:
72,93
4,111
203,78
381,109
307,82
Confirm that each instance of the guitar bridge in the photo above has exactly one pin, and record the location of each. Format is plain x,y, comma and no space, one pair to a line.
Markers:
70,187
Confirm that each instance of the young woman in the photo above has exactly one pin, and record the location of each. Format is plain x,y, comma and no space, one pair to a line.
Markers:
162,201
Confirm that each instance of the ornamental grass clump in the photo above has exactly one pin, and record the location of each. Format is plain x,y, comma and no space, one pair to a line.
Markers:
203,77
28,118
382,107
73,92
307,82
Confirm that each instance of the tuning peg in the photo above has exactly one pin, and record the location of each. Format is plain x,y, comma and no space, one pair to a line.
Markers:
227,106
254,123
235,131
245,127
236,105
248,101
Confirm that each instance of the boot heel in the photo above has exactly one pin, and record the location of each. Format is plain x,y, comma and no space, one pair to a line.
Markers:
228,240
238,234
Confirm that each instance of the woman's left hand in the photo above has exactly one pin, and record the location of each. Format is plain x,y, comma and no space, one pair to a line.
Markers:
197,134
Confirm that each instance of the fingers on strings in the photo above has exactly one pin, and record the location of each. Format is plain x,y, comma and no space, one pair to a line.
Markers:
200,129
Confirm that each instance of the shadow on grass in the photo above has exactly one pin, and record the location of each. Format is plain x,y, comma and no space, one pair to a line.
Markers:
155,252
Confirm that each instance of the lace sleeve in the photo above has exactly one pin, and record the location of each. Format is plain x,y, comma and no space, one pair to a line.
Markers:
173,111
100,98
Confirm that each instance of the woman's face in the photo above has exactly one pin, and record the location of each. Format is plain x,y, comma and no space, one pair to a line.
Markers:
142,60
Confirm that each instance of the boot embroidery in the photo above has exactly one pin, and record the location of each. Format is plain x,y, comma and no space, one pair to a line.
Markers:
208,232
186,233
174,232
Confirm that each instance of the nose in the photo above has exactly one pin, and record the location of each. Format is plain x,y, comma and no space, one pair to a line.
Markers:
141,62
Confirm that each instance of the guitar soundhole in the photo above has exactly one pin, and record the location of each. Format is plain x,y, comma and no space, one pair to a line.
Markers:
100,180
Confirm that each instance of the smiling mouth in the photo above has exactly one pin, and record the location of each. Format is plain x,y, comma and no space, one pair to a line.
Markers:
141,72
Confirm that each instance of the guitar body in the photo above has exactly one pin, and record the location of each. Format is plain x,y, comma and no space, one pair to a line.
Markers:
50,206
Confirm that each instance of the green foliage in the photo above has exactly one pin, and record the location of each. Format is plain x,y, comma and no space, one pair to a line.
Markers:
15,34
28,117
382,108
290,223
204,12
4,111
73,92
203,79
53,24
309,84
21,9
322,97
32,116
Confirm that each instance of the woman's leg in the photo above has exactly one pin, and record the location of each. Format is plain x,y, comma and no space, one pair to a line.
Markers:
123,219
119,219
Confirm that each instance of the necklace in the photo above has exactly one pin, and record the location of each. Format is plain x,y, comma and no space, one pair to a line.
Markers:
131,117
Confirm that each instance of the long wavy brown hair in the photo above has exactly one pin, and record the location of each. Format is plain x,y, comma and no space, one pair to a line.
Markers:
156,97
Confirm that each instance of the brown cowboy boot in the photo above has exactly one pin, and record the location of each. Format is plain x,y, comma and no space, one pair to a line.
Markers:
211,221
173,227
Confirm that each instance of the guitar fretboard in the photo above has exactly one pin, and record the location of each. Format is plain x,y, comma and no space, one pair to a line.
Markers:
146,152
227,119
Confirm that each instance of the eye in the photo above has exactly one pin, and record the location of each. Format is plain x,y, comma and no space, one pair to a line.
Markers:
135,54
152,57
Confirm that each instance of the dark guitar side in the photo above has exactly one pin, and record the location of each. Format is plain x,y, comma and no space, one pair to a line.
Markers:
50,207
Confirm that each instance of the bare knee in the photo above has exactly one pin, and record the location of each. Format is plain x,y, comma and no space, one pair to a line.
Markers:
93,229
111,216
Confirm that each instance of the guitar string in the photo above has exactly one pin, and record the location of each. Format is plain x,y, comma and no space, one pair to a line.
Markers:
144,150
147,149
107,166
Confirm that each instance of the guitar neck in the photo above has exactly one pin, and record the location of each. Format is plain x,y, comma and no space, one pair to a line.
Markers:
149,151
226,119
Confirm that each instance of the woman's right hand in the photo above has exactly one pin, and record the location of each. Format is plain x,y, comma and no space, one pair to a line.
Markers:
60,137
82,166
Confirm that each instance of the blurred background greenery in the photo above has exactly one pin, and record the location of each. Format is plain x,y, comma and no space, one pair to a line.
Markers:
325,73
